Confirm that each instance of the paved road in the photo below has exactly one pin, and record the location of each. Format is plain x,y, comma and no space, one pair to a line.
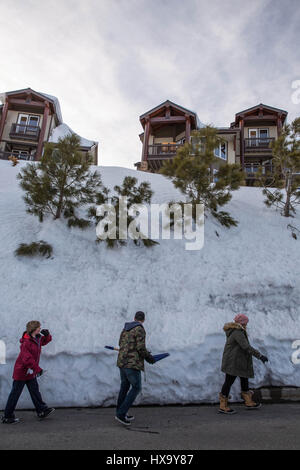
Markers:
169,428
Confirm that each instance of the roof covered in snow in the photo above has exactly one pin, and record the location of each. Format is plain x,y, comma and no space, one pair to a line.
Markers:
56,105
63,130
51,98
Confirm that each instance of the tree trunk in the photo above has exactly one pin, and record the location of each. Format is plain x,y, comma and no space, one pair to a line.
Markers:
286,211
60,204
61,198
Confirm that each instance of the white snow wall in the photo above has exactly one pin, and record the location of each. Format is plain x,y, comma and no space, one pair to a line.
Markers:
86,293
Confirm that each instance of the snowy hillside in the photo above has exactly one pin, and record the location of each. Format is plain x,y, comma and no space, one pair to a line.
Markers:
85,293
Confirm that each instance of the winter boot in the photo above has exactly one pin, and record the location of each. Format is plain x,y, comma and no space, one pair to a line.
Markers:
249,403
224,408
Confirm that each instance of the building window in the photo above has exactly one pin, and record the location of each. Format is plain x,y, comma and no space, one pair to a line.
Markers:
198,144
263,136
27,123
215,173
258,137
33,121
221,151
21,154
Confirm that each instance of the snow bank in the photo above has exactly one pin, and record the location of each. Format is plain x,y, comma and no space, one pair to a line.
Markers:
85,293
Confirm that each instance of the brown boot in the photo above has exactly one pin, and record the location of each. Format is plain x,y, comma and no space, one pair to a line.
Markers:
224,408
249,403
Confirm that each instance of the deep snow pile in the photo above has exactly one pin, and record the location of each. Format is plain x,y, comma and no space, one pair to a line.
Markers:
86,293
63,130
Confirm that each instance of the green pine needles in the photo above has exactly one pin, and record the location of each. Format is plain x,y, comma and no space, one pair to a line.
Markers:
40,248
202,177
126,196
281,185
61,182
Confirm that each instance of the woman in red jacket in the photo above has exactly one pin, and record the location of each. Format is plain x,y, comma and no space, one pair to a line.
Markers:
26,371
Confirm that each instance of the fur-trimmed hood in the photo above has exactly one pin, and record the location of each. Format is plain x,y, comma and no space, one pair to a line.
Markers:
229,327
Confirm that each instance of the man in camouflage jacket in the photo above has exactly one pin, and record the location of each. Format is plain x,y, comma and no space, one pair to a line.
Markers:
132,354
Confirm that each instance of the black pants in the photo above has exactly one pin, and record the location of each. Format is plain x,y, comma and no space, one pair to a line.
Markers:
15,394
229,380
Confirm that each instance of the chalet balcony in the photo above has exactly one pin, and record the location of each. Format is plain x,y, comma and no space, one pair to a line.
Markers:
261,144
158,153
252,168
21,155
163,150
24,132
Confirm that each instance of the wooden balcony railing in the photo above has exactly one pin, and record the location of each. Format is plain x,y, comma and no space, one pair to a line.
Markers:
19,154
160,151
24,132
252,168
261,144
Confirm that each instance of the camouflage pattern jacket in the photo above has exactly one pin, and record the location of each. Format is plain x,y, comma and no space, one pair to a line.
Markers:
132,345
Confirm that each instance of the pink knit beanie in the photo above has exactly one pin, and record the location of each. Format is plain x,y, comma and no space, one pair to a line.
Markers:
241,319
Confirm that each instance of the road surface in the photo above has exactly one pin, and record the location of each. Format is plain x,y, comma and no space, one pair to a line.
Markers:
275,426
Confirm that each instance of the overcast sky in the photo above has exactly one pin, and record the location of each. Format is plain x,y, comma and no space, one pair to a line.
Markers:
109,61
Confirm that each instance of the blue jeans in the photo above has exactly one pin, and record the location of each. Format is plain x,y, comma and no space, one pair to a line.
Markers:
15,394
129,378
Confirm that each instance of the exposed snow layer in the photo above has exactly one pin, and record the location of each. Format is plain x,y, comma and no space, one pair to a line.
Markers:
86,293
55,100
62,130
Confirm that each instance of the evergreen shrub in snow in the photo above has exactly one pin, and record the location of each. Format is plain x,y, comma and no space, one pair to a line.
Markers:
40,248
61,182
134,194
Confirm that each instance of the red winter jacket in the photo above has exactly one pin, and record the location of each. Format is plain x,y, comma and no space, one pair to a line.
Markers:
29,356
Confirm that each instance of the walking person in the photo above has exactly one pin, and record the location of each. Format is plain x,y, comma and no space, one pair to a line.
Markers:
26,371
131,358
237,362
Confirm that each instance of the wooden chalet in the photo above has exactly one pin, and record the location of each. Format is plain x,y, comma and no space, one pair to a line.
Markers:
166,127
246,142
258,127
29,119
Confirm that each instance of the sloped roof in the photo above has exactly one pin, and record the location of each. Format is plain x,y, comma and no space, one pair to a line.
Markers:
63,130
56,105
51,98
177,106
253,108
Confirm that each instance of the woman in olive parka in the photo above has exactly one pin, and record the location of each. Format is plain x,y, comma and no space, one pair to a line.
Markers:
237,362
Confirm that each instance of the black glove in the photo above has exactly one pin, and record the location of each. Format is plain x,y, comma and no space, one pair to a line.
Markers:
150,359
40,373
264,359
45,332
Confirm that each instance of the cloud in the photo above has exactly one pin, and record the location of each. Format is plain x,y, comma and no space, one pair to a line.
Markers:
109,61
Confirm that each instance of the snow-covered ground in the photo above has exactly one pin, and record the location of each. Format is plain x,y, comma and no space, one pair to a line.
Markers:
85,293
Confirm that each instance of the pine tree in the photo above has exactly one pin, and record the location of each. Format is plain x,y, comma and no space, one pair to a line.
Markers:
61,182
281,185
192,171
135,194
